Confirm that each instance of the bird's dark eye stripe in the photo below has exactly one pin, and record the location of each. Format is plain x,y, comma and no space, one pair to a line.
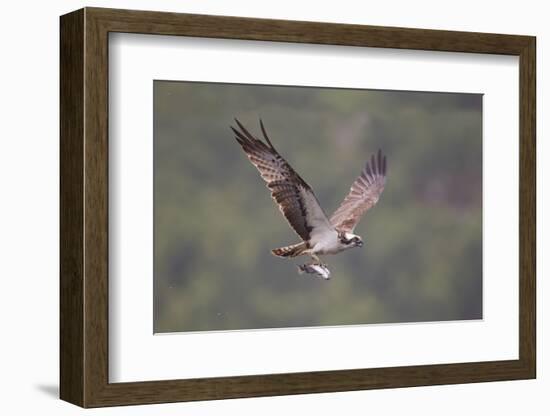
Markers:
344,240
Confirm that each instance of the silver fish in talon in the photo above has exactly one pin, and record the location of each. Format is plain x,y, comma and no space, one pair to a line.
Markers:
320,270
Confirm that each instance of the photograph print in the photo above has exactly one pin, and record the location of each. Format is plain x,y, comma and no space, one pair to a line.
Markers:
291,207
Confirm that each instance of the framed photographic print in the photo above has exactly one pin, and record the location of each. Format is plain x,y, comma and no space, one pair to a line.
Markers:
255,207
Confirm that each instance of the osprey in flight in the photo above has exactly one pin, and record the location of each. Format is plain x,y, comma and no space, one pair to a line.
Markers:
297,202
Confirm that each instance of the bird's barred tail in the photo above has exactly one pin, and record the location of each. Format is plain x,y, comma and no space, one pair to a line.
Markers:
290,251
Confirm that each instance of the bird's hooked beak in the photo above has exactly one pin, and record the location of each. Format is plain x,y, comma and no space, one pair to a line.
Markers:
359,244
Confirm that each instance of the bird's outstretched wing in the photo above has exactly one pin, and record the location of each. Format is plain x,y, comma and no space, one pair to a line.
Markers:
363,195
294,196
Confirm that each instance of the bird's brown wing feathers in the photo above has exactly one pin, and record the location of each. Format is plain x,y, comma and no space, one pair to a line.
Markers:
364,194
293,195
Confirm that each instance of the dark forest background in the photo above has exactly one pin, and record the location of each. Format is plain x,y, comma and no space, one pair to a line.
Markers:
215,223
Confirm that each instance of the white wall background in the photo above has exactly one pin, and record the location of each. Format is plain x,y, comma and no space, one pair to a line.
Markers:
29,211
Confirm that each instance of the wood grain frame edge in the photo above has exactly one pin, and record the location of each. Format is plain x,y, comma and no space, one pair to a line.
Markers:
84,173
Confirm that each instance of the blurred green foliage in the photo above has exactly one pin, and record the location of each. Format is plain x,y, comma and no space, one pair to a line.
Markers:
215,222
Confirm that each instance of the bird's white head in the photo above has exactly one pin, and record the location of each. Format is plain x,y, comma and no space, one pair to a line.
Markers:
350,239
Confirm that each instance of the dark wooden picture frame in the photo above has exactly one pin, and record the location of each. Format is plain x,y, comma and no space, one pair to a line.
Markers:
84,207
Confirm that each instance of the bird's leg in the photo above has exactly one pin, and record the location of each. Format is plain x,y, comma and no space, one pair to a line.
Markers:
316,259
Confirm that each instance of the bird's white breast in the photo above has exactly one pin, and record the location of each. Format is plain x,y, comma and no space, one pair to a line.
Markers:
327,243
